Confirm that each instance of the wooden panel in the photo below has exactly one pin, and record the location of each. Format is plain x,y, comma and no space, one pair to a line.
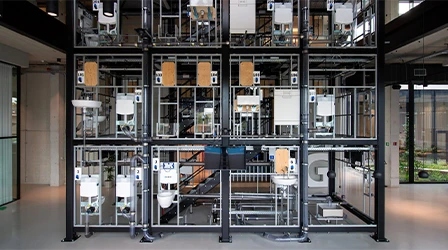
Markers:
204,69
91,73
363,120
169,74
246,74
281,160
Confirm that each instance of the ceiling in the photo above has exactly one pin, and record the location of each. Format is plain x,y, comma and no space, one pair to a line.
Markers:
429,45
38,52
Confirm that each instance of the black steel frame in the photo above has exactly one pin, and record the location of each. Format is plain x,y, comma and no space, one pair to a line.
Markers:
378,226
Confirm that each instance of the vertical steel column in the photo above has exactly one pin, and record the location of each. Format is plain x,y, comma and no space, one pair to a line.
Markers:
225,102
332,167
411,132
304,119
147,114
70,234
380,185
433,127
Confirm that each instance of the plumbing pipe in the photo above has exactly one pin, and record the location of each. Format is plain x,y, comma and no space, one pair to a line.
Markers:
134,194
304,109
88,211
147,115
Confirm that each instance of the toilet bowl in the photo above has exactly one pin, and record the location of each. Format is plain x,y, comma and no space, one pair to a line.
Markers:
165,198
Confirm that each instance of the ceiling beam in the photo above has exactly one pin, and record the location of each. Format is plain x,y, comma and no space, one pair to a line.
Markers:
423,20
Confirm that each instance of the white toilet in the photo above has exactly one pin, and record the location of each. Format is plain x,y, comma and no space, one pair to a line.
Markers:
168,174
165,198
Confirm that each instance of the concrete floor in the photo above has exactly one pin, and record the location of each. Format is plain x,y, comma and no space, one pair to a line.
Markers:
416,219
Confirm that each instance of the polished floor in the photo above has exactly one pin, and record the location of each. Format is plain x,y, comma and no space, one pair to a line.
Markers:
417,218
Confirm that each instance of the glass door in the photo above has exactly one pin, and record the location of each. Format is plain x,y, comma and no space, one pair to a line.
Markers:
9,117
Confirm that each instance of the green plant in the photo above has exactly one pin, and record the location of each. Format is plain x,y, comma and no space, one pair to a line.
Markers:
110,173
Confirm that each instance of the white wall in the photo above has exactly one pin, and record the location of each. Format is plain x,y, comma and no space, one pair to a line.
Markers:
13,56
42,128
392,137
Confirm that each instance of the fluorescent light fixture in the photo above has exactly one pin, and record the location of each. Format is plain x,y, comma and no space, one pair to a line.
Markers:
52,8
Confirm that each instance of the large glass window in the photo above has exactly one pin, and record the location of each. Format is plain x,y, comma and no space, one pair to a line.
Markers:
430,139
404,136
8,134
405,6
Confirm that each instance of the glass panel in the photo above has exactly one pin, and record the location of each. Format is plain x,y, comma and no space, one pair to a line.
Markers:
404,132
8,170
14,102
424,123
431,133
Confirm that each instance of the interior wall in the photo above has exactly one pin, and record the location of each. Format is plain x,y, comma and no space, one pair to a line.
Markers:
43,127
392,137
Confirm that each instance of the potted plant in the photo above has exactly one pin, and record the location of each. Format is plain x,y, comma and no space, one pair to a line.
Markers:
110,175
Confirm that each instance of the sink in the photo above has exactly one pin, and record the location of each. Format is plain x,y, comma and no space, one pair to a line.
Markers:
284,180
329,210
86,104
101,118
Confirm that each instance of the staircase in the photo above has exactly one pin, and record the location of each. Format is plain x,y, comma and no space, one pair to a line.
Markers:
202,188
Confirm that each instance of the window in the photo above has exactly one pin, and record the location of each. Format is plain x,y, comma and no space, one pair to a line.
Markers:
405,6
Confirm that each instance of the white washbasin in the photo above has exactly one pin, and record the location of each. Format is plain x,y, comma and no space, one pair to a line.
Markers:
284,180
101,118
86,104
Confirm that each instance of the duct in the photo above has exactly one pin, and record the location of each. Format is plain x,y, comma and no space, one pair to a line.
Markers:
134,194
338,60
344,78
115,60
443,52
339,149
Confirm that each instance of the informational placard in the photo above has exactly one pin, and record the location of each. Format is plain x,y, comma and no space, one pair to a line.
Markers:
78,173
138,174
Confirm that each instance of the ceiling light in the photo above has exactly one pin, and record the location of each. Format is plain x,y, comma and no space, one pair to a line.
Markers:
52,7
108,8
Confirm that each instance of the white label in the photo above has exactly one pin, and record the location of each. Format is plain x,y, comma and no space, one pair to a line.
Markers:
78,173
96,5
294,78
257,77
80,78
330,5
138,96
214,77
270,5
312,96
138,174
155,164
159,77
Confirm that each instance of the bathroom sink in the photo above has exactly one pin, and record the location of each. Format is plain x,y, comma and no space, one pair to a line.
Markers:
329,210
284,180
86,104
101,118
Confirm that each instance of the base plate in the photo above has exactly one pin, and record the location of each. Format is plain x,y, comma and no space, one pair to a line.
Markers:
221,240
375,237
73,239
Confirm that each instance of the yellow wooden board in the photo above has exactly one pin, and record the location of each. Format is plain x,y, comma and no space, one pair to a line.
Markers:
246,74
205,16
168,74
281,160
204,69
91,74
